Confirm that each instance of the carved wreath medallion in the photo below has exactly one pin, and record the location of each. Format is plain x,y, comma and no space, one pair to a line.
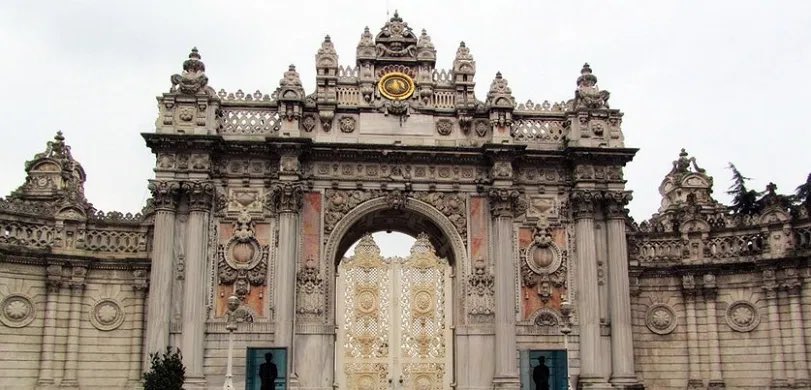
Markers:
742,316
16,311
106,315
396,86
660,319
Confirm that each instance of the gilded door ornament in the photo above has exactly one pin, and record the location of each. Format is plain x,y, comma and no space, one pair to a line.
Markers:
394,321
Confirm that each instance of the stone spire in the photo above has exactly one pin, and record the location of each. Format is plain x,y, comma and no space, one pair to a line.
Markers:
327,56
500,94
425,48
193,80
588,96
366,46
464,67
53,176
290,94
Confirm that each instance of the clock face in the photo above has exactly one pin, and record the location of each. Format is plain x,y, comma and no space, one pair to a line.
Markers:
396,86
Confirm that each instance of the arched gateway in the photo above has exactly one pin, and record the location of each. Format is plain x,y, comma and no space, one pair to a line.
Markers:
518,210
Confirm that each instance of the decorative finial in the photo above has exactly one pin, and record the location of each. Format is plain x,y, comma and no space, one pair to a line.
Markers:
683,153
498,74
292,67
586,69
59,137
327,38
194,53
771,187
462,44
366,29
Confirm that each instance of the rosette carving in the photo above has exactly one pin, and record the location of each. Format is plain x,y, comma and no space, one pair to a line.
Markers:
243,261
17,311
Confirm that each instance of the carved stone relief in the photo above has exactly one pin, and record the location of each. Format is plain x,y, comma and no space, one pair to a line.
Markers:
444,126
660,319
543,265
17,311
346,124
742,316
451,205
310,287
481,292
243,261
546,318
106,315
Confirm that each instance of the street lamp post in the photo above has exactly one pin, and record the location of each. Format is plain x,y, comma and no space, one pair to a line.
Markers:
235,315
566,329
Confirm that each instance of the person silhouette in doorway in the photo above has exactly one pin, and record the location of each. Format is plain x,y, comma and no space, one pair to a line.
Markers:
268,372
540,375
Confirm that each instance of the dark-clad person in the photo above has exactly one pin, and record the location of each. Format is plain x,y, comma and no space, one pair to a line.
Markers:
540,375
268,372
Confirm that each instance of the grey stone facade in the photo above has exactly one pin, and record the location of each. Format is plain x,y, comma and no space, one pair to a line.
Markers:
258,195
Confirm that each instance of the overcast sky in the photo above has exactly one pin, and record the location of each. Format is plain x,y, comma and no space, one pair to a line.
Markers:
724,79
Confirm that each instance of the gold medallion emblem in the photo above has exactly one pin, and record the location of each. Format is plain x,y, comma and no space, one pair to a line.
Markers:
396,86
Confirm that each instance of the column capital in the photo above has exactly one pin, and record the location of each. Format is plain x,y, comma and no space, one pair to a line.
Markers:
614,203
140,280
710,287
792,281
164,194
688,285
200,195
769,283
584,202
287,197
506,202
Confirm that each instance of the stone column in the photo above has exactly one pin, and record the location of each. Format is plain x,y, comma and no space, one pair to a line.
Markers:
778,363
622,342
53,285
793,285
710,293
694,364
70,377
588,300
164,195
287,198
504,203
139,288
199,196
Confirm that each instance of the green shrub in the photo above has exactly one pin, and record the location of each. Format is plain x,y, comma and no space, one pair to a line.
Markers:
167,372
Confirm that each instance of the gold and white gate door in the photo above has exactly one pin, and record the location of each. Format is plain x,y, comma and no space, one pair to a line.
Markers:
394,320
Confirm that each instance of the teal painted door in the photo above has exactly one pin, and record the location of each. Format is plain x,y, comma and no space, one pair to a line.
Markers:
555,361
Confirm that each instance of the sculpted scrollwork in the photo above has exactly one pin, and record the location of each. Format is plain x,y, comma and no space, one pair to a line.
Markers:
451,205
199,195
340,202
17,311
583,203
543,265
310,289
480,291
243,261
